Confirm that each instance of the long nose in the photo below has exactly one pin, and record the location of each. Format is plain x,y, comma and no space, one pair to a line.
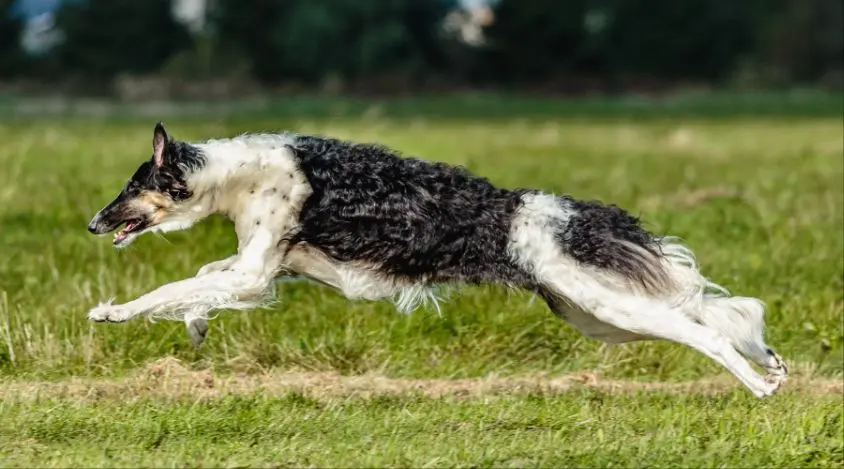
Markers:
96,226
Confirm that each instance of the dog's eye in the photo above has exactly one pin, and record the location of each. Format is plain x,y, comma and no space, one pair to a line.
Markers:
174,193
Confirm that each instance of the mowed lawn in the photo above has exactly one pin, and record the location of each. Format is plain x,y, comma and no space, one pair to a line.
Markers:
760,200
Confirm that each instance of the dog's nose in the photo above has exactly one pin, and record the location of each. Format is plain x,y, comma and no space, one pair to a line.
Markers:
94,225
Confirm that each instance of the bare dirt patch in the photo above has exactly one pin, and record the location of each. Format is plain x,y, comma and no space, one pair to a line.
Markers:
169,379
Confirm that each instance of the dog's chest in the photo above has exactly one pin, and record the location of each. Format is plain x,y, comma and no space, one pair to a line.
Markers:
270,202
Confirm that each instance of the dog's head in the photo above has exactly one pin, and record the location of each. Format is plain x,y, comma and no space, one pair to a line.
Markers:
156,197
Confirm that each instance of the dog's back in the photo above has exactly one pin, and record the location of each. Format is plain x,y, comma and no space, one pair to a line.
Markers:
433,222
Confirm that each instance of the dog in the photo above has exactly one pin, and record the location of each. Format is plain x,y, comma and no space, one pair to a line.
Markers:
374,224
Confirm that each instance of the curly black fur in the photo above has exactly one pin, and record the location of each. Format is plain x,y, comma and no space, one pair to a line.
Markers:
415,219
607,237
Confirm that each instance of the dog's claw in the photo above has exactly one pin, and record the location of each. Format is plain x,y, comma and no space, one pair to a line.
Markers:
197,330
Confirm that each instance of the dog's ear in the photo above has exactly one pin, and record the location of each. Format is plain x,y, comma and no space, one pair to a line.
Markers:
159,144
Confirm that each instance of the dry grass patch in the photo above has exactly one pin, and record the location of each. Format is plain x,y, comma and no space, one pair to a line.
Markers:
168,378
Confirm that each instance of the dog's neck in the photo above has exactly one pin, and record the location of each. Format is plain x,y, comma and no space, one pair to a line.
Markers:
241,175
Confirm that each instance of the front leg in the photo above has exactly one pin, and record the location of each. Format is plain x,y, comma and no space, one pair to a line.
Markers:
193,297
217,266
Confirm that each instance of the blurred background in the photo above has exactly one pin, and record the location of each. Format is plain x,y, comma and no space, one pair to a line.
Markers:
212,49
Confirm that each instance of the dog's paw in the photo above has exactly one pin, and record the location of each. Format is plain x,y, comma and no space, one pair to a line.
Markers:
106,312
773,382
776,365
197,330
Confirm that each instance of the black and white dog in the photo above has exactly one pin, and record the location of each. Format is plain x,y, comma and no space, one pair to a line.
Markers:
374,225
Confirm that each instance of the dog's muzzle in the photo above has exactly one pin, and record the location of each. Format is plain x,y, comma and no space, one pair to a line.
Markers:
98,226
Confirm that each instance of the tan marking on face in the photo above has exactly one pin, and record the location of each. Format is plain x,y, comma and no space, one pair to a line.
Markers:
154,204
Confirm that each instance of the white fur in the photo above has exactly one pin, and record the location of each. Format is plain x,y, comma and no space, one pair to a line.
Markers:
358,281
739,319
594,302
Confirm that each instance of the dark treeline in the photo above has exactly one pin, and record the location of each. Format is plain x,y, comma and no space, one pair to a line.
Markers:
612,44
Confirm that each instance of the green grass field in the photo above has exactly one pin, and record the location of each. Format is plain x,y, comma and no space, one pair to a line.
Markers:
320,381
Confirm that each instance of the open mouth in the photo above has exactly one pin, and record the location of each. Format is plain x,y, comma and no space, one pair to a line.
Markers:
132,226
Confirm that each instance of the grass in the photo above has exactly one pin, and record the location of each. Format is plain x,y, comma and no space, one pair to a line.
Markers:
760,199
572,430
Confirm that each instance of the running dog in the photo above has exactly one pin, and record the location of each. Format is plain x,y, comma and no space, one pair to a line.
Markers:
373,225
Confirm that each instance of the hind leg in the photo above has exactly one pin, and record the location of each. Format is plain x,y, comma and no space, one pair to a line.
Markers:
616,319
586,323
547,231
670,324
